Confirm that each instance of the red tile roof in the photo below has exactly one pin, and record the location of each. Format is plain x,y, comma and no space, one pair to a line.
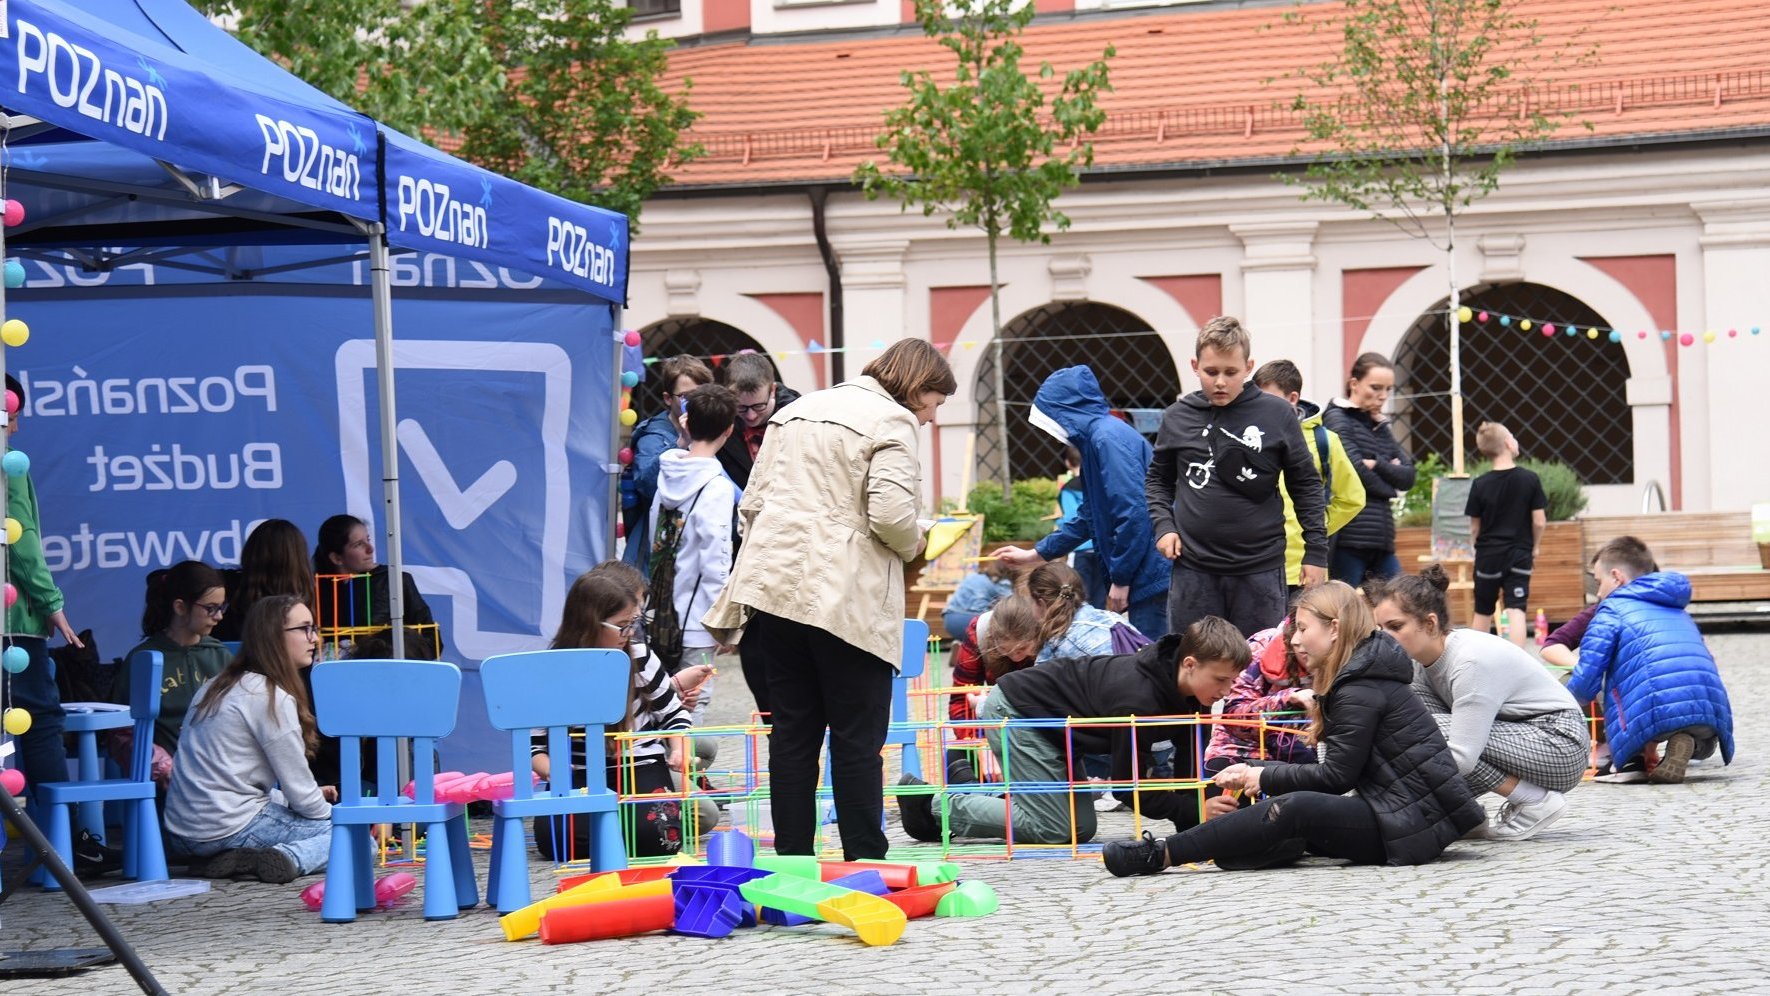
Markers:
1189,84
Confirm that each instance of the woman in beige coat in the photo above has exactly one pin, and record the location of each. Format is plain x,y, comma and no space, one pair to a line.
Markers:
829,520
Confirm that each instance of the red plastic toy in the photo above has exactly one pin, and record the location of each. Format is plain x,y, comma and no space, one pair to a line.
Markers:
919,901
616,918
896,876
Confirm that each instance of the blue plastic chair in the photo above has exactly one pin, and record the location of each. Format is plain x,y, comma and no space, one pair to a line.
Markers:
914,662
144,856
389,700
554,690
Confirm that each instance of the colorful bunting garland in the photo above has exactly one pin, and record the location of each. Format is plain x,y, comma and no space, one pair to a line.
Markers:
1549,330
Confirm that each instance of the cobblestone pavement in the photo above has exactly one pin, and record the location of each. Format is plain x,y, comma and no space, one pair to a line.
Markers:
1639,889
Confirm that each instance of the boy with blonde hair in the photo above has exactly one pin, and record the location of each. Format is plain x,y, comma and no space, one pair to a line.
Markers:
1507,515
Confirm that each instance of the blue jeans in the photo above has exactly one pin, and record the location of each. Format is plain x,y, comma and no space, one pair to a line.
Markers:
958,625
43,757
307,842
1352,564
1150,616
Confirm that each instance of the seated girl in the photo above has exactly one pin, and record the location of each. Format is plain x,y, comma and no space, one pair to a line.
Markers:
601,613
1275,682
1002,639
1178,676
242,796
273,561
977,593
184,603
361,600
1381,742
1513,729
1071,627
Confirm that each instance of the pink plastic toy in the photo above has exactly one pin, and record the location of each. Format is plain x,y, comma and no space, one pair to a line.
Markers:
389,890
13,779
453,786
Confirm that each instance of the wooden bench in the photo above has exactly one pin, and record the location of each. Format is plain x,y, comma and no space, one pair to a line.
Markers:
1714,549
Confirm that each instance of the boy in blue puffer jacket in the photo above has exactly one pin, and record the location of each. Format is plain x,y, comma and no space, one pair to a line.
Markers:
1644,653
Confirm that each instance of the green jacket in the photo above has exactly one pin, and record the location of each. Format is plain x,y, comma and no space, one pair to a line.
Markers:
38,597
186,669
1346,502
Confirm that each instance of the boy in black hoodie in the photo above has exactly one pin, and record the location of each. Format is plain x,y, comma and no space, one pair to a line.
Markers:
1180,675
1225,529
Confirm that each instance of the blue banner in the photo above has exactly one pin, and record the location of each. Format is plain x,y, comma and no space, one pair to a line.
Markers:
438,203
164,421
74,70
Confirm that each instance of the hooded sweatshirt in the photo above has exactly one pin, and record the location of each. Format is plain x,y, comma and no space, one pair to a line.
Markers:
699,488
1071,406
1233,460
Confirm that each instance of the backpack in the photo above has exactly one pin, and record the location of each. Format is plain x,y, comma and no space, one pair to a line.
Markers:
663,627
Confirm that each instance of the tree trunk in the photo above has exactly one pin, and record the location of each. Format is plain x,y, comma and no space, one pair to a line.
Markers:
1001,379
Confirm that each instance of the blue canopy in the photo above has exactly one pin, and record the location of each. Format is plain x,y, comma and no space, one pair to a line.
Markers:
163,130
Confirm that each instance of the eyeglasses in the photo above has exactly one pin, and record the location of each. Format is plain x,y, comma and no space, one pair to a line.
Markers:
310,629
625,629
215,611
755,409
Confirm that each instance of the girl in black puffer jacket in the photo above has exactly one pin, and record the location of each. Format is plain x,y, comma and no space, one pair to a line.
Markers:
1411,801
1366,546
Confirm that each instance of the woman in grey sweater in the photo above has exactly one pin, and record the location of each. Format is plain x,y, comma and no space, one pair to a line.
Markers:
1513,729
242,796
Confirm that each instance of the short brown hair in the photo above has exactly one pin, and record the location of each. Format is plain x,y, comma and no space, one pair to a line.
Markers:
1491,438
710,412
674,368
1282,374
747,373
911,367
1215,639
1626,554
1223,334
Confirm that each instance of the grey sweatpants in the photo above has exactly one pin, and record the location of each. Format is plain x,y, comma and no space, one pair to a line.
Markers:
1027,757
1551,750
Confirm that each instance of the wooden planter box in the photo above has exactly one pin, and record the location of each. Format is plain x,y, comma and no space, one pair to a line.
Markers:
1557,585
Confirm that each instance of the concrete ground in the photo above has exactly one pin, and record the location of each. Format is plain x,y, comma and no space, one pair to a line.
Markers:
1638,889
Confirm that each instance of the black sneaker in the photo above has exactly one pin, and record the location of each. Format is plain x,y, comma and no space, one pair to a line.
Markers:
92,857
266,864
1141,856
1286,852
958,768
918,813
1632,772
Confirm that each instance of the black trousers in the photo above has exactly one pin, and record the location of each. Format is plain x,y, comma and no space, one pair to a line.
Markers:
817,682
1333,826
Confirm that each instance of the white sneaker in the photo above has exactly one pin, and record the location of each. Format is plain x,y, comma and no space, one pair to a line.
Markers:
1521,822
1105,802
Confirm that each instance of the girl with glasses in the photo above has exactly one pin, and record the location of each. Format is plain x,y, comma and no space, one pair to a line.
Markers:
601,613
184,603
250,729
350,608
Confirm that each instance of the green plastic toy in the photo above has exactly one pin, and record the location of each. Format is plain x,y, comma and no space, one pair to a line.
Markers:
973,898
796,865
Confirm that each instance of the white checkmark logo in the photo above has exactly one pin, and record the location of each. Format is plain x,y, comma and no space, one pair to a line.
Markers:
460,506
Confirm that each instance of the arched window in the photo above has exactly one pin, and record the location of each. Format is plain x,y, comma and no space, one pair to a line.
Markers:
1133,364
1564,396
712,341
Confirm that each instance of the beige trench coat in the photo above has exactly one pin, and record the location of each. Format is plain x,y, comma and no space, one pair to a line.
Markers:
829,520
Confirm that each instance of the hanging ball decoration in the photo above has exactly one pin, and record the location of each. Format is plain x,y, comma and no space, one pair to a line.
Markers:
15,332
1525,325
12,402
1591,333
628,418
15,213
1505,321
1732,333
625,456
15,659
1464,314
1571,331
1756,330
13,530
14,780
1664,335
1616,336
15,463
1686,339
632,339
629,379
620,530
1548,329
1708,336
15,274
1482,317
17,722
11,591
1641,334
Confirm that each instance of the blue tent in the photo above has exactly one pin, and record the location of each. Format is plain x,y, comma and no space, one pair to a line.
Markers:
137,131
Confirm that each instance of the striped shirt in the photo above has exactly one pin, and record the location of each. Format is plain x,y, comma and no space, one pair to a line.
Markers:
655,707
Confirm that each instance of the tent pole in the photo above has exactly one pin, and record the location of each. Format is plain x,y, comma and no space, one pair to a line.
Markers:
381,293
614,439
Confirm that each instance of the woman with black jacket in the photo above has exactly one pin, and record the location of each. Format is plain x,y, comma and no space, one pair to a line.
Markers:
1366,546
1411,802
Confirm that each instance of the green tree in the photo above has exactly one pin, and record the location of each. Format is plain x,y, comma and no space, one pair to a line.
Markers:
554,95
1419,114
994,147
